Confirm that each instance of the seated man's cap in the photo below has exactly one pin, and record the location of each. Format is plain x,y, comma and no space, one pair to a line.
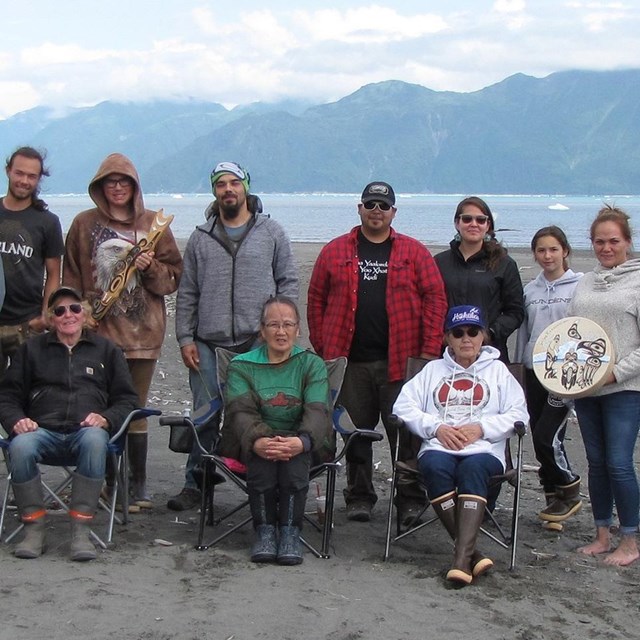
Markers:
463,316
380,191
233,168
63,291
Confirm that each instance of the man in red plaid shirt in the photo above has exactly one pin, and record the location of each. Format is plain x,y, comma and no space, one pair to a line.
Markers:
376,296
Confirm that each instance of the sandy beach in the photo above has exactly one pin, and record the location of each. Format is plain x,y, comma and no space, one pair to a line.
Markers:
141,589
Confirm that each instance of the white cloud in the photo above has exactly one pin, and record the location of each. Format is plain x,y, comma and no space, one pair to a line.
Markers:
16,97
509,6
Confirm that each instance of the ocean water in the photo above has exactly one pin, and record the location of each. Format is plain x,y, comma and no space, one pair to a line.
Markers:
429,218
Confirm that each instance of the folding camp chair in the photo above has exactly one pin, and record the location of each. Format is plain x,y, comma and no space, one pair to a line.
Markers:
116,450
233,471
512,476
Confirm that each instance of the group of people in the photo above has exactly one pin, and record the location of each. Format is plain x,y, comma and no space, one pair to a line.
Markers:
375,296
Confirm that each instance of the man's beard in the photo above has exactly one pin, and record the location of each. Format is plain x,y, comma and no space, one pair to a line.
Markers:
30,194
230,211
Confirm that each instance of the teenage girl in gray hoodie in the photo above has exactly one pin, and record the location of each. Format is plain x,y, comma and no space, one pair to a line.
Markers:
546,300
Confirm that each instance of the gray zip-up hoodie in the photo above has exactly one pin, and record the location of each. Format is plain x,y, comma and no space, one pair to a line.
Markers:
611,297
544,303
224,287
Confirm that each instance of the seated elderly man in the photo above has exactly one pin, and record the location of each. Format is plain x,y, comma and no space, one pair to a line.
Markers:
64,392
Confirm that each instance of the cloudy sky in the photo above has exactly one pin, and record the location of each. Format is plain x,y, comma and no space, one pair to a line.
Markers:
77,52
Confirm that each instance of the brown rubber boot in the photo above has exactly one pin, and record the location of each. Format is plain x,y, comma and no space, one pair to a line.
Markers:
30,504
566,503
445,508
469,516
85,493
556,527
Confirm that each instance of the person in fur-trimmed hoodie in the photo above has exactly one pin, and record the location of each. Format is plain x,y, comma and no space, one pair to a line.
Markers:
546,300
97,240
464,407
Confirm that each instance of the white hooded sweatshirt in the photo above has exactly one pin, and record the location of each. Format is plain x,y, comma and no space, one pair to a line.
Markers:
445,393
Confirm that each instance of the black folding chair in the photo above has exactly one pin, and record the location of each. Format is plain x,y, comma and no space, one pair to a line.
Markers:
214,464
507,539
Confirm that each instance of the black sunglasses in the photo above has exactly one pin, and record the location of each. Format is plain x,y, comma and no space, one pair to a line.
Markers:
459,332
74,308
468,219
372,204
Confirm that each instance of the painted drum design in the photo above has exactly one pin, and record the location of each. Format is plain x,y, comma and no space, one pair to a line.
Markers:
573,357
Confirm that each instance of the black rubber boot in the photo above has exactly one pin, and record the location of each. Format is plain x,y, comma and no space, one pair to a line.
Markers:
138,447
30,504
85,493
291,515
264,513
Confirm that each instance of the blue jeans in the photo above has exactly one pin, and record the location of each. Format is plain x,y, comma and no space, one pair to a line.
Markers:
86,448
445,472
204,387
609,425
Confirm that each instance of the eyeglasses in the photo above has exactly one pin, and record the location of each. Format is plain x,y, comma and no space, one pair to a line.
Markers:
74,308
459,332
468,219
372,204
287,325
111,183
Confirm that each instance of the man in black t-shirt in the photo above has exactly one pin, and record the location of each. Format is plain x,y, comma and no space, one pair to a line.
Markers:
31,247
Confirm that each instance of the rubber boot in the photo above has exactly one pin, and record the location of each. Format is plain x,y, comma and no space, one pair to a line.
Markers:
30,504
85,493
556,527
566,503
445,508
264,513
138,446
469,516
291,516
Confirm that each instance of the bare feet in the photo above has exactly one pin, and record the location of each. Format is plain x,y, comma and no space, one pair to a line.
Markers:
626,553
595,548
602,543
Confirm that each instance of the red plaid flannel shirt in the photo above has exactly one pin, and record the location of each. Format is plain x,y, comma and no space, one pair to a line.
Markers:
416,300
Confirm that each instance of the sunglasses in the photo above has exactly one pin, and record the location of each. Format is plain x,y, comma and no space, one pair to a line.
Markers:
74,308
459,332
372,204
468,219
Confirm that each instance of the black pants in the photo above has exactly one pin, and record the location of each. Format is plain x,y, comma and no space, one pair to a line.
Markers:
547,413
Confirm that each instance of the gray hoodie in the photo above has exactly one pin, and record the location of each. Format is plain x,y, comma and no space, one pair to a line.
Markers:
544,303
223,288
611,297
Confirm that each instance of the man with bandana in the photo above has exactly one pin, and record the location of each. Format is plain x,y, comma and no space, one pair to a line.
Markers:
233,263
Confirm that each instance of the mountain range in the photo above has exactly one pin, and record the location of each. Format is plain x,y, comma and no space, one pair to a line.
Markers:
573,132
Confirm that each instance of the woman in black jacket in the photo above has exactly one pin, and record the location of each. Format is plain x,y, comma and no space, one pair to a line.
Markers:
477,271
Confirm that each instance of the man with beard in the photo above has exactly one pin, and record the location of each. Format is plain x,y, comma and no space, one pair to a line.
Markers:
233,263
31,246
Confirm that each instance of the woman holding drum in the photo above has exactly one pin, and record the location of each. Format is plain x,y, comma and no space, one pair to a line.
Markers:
609,418
546,299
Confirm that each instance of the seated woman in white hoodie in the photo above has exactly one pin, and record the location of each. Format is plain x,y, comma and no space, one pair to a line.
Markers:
464,407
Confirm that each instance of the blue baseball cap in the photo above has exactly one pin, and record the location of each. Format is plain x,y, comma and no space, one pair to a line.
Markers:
463,316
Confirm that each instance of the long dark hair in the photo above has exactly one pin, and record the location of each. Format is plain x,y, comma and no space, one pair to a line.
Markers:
32,154
494,250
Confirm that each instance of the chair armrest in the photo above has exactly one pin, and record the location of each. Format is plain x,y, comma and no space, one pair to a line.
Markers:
183,421
136,414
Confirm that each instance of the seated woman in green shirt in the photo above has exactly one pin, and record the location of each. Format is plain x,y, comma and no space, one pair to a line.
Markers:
276,415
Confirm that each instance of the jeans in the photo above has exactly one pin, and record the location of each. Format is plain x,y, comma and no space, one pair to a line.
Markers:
86,448
204,387
445,472
609,426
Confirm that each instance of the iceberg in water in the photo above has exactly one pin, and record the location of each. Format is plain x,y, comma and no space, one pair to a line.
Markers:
558,207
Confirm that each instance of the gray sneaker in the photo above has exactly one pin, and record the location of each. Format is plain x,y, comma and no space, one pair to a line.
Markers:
185,500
